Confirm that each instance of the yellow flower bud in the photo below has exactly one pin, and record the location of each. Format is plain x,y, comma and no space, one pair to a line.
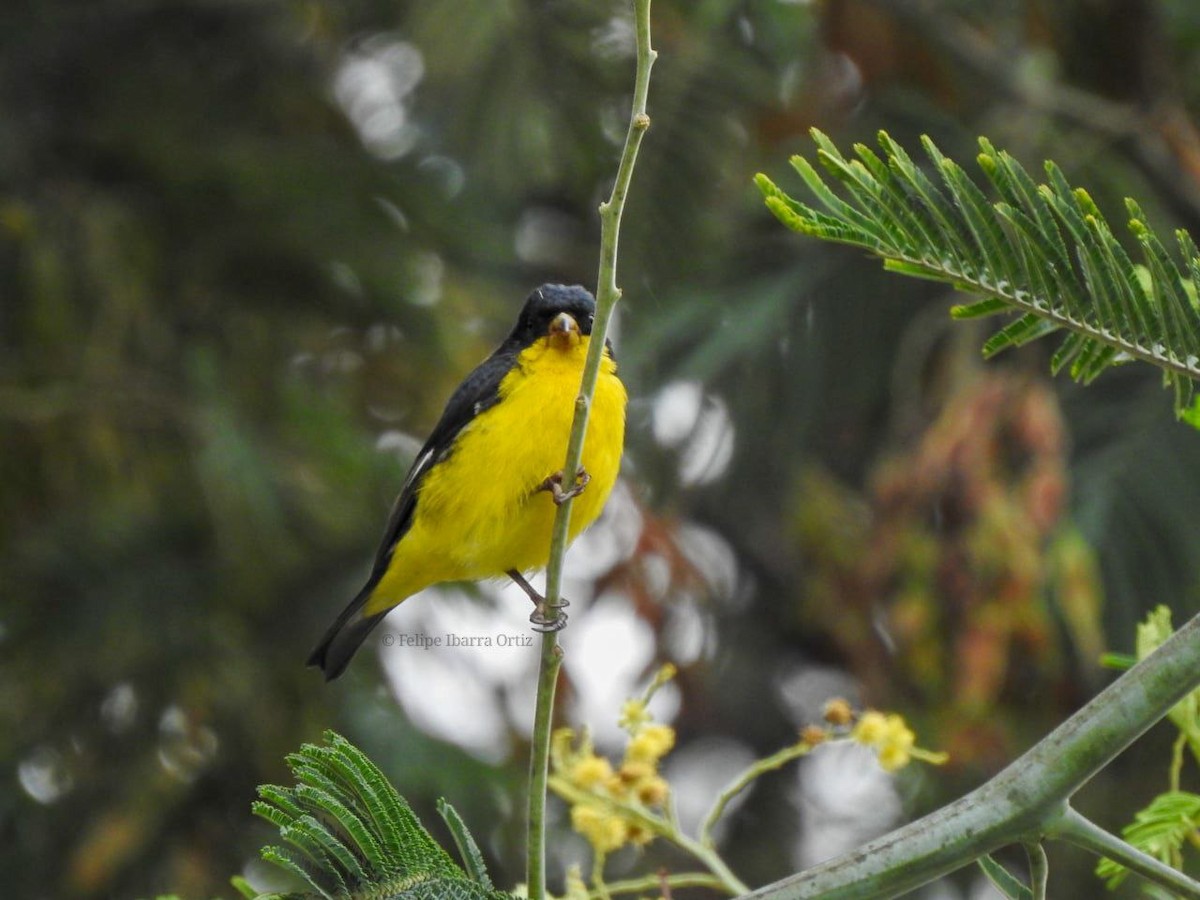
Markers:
640,835
604,831
893,757
838,712
813,735
898,732
634,772
652,791
871,728
634,715
651,743
590,771
617,786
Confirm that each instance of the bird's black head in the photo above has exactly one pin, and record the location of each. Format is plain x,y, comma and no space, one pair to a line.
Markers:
545,304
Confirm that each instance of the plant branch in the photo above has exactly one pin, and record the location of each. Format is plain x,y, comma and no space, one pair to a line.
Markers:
1025,801
735,787
607,294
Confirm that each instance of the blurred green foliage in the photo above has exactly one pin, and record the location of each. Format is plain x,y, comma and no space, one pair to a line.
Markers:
230,274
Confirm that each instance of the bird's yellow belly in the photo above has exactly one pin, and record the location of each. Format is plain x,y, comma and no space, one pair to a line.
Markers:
479,512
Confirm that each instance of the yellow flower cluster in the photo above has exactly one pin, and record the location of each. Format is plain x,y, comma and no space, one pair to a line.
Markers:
889,735
608,812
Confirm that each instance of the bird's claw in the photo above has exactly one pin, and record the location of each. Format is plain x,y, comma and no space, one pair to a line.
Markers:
561,495
548,619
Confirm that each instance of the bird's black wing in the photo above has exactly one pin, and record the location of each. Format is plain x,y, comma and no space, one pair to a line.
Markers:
479,391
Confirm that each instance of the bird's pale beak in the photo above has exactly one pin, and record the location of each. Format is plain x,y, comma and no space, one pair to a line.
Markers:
564,331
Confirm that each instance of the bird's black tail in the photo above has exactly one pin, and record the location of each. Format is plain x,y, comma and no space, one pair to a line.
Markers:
345,636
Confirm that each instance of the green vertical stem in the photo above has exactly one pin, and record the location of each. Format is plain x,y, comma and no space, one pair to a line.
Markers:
607,295
539,764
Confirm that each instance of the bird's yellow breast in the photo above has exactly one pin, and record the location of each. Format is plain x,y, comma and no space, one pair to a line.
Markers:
479,512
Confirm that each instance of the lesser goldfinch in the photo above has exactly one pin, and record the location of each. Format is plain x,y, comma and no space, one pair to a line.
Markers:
479,501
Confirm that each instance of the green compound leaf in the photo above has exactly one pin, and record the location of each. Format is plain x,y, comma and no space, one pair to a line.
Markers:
1043,252
467,848
1185,715
351,836
1161,830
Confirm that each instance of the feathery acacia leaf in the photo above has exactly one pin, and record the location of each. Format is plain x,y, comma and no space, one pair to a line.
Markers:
1162,829
467,848
352,836
1042,252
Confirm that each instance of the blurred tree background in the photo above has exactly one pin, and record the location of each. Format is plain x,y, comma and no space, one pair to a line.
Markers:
247,249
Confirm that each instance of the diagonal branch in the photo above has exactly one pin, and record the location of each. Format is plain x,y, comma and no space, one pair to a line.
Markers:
1026,800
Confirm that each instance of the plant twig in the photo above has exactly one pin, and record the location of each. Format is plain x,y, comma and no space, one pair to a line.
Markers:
652,882
1176,770
660,825
1025,801
598,877
735,787
1039,869
607,294
711,859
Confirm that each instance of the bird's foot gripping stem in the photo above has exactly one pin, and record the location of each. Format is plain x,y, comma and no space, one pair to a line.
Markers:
554,484
546,617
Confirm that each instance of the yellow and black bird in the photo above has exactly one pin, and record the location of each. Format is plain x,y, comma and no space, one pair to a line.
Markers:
479,501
